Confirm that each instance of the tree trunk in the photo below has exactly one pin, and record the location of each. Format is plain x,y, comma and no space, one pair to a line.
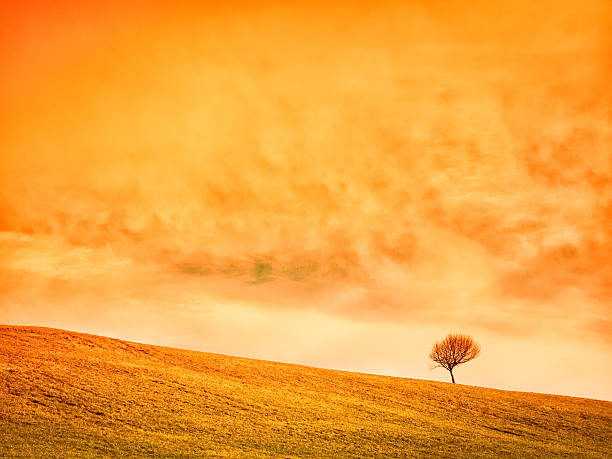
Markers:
452,377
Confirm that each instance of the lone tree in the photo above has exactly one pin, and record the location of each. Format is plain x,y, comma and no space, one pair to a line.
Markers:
454,350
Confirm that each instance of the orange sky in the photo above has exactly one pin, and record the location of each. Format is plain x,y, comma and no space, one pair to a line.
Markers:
332,185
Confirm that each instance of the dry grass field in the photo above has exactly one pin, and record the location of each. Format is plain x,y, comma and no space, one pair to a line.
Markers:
65,394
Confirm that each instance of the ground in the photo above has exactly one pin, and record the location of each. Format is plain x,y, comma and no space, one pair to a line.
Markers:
70,394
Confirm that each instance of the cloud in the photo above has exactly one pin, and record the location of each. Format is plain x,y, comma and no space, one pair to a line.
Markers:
425,165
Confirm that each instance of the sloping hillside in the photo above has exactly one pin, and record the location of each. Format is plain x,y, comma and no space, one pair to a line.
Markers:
71,394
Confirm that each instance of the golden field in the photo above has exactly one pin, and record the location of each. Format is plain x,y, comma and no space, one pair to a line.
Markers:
71,394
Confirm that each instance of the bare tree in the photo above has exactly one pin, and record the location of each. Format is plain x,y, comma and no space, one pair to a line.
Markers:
454,350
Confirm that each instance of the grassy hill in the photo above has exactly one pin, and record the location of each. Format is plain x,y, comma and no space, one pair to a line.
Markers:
71,394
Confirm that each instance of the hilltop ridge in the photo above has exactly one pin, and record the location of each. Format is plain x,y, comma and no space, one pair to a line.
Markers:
64,393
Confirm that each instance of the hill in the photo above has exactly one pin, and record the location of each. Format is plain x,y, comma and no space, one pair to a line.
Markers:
71,394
